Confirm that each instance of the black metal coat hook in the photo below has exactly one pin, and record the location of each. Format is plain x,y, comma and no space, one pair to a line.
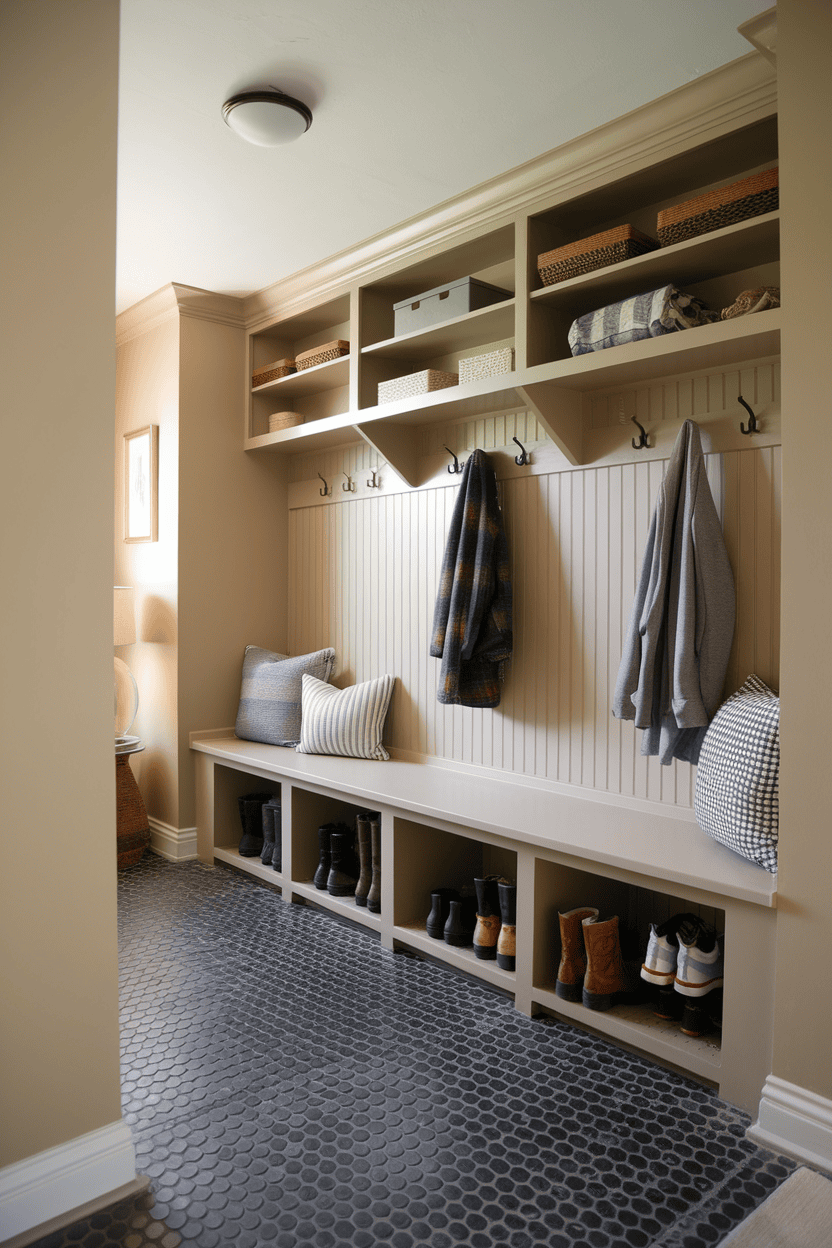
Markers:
524,457
642,442
326,490
456,466
753,426
349,488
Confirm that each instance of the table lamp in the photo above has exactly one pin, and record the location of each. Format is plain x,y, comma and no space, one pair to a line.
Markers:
124,634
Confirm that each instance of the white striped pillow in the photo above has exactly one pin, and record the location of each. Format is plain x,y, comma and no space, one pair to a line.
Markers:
349,722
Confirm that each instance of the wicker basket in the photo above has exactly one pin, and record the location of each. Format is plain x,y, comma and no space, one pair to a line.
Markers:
415,383
271,372
491,364
750,197
596,252
284,420
320,355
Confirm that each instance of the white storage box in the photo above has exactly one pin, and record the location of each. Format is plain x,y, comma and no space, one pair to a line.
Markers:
415,383
491,364
445,302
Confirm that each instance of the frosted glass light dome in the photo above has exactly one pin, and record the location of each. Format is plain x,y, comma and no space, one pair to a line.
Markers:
267,118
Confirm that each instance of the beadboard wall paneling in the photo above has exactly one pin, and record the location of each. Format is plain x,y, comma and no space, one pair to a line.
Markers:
363,579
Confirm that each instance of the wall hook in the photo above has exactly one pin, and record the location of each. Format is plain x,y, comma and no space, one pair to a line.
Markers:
373,483
524,457
349,488
642,442
753,426
326,490
456,466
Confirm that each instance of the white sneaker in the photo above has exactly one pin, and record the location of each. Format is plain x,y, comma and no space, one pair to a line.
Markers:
699,965
659,965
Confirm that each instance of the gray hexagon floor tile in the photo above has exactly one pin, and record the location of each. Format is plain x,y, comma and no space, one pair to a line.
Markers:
289,1083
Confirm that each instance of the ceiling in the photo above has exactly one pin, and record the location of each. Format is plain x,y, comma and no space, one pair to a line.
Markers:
414,101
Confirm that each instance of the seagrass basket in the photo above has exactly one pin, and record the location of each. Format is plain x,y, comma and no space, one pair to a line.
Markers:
424,382
750,197
624,242
284,420
320,355
271,372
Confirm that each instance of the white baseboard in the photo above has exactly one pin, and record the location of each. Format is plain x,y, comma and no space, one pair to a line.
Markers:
794,1121
46,1186
176,844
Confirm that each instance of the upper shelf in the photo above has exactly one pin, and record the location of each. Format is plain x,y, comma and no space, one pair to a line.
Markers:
324,376
470,330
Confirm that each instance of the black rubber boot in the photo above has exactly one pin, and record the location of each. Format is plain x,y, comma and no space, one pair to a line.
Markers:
487,927
272,855
341,881
365,859
440,905
374,895
251,817
506,941
459,927
322,874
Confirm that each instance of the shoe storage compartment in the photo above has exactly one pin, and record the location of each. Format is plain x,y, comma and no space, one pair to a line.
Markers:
426,858
310,810
229,785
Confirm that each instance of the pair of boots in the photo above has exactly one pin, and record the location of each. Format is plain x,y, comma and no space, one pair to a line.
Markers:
251,806
342,871
488,921
591,968
684,961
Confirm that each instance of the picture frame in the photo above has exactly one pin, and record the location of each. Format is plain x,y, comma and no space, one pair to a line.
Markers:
141,484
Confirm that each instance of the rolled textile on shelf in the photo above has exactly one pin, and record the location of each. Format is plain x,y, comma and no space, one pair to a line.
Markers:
649,315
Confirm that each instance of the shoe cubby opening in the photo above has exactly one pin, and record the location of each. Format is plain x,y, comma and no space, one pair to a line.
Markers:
427,858
230,785
310,811
649,1009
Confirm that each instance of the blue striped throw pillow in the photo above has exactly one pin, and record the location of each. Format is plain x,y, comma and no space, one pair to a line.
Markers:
349,722
270,697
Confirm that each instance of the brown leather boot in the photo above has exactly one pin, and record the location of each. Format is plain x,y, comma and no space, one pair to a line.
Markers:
606,982
572,968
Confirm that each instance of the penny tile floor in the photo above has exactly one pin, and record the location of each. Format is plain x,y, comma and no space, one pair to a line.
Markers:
290,1083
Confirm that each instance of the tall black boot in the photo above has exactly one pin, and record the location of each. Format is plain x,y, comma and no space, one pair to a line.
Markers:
374,895
365,861
341,881
322,874
488,917
507,940
251,806
272,855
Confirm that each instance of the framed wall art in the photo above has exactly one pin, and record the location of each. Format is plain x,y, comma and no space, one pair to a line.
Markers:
141,480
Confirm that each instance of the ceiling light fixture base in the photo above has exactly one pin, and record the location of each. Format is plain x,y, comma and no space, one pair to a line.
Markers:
267,118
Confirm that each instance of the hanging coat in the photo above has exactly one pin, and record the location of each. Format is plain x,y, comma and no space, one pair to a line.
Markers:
472,618
678,640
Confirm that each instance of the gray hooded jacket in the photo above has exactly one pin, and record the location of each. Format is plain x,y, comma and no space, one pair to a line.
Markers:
677,643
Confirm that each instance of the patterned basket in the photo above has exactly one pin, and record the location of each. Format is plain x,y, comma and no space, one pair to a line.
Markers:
284,420
624,242
415,383
491,364
750,197
320,355
271,372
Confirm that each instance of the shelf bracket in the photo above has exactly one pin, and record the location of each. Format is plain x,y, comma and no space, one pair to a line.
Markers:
560,412
395,444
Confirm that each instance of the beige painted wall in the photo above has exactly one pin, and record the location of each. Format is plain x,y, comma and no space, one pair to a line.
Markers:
147,393
59,1046
804,926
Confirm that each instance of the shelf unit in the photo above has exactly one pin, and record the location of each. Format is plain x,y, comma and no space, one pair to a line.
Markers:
340,401
441,827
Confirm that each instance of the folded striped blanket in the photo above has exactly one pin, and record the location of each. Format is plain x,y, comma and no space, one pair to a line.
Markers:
643,316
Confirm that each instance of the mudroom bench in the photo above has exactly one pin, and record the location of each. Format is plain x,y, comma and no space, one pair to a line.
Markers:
443,825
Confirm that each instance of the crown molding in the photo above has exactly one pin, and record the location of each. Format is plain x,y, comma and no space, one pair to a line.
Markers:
761,31
737,94
175,300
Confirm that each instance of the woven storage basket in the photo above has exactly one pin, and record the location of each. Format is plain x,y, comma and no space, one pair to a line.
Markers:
284,420
491,364
271,372
750,197
415,383
320,355
596,252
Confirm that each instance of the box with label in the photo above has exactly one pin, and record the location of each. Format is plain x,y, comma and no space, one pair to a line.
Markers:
443,303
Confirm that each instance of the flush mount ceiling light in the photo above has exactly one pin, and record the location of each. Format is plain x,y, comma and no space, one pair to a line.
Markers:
267,118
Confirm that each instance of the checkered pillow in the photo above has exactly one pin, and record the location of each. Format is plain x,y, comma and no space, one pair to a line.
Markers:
736,799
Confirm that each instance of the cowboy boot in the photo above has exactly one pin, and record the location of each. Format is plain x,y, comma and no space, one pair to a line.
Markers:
607,982
374,894
488,917
250,806
440,908
362,833
507,939
341,882
572,968
322,873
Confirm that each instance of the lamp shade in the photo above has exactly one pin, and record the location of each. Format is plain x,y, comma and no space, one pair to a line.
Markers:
124,616
267,118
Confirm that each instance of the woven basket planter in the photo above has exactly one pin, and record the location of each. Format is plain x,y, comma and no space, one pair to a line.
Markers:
271,372
284,420
490,364
750,197
415,383
321,355
624,242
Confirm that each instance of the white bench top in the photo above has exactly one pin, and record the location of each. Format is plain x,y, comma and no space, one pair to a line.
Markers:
598,827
